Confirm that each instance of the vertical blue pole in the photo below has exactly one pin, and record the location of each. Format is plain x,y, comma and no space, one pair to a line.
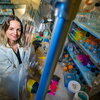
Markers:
57,41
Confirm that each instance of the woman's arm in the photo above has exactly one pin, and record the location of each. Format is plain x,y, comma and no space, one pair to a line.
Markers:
6,65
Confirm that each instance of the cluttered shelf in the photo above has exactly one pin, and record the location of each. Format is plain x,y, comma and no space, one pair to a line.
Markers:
5,15
11,6
82,69
88,29
86,51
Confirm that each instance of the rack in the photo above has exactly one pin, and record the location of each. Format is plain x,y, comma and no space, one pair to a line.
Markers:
94,59
84,71
11,6
7,8
85,27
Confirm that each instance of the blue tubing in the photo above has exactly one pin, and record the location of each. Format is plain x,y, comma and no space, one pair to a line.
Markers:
57,41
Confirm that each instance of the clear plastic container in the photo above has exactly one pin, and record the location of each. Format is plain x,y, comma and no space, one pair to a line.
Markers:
81,95
94,17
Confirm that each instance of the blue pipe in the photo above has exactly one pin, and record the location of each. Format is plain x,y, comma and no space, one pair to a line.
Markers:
57,41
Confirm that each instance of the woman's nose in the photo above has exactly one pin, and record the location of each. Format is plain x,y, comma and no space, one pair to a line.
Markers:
15,31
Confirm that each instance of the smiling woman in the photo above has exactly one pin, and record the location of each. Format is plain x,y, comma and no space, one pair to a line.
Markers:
13,34
14,58
10,25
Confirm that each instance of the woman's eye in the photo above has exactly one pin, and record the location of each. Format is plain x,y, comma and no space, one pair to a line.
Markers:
10,28
19,30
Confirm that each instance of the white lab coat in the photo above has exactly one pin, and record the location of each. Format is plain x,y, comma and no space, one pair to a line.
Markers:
11,71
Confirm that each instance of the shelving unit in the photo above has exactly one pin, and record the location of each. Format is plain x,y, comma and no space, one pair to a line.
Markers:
5,5
93,58
88,29
7,8
82,69
88,75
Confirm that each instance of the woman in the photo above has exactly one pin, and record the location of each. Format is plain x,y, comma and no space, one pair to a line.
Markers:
13,57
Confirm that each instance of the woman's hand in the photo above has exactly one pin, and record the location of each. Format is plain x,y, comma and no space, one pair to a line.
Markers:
28,38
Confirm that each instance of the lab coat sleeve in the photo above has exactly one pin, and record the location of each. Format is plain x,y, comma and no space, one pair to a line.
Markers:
30,57
6,66
9,76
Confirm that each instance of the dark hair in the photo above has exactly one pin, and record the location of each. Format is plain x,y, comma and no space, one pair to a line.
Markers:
97,4
6,25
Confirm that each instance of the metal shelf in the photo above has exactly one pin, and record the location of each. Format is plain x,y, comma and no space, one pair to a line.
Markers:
4,15
93,58
88,29
5,3
11,6
84,71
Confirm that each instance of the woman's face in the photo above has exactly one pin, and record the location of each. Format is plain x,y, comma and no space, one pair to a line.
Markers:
13,33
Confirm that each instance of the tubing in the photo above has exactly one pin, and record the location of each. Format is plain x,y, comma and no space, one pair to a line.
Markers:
57,41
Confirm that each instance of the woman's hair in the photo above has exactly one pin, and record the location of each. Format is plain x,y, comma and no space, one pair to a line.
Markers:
5,26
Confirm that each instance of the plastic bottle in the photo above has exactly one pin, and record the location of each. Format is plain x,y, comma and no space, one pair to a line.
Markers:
94,18
97,12
98,52
94,47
